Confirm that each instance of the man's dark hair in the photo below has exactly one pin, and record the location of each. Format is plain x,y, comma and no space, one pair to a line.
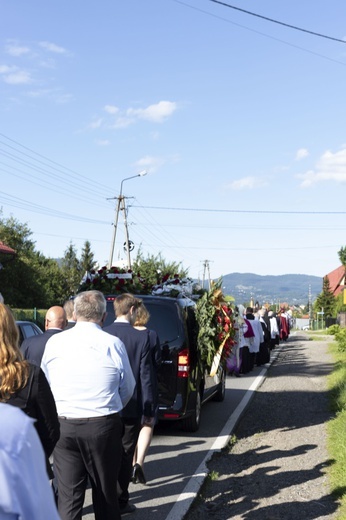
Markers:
124,302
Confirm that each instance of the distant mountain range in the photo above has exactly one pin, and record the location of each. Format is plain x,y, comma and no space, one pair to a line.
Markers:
291,288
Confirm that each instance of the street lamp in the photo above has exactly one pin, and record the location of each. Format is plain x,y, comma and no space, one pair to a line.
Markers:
121,207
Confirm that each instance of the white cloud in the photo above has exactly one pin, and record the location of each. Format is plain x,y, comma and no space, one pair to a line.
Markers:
14,49
156,113
39,93
17,77
155,136
301,154
97,123
330,167
122,122
102,142
122,119
152,164
52,47
48,63
246,183
61,99
5,69
54,94
111,109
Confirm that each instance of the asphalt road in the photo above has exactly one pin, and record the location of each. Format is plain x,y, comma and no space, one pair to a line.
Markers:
175,464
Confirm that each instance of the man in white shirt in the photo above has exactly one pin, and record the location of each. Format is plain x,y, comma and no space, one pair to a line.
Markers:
24,487
91,380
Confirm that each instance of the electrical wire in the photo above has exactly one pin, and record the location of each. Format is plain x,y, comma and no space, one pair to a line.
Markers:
278,22
47,184
263,211
48,176
299,47
36,208
51,164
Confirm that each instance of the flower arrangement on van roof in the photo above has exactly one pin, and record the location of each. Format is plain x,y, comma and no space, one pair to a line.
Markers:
113,281
117,280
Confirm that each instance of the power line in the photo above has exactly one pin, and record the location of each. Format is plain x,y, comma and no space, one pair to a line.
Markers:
289,44
264,211
164,239
47,169
278,22
52,164
36,208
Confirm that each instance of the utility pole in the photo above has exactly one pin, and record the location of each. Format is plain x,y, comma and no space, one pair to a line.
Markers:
110,261
206,268
121,207
127,241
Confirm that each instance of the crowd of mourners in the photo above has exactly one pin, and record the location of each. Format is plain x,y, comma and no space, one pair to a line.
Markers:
258,332
87,394
83,393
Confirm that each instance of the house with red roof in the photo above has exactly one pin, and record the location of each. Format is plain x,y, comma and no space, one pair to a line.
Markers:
337,280
6,250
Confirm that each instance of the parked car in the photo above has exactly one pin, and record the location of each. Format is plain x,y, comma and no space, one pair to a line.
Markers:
27,329
184,383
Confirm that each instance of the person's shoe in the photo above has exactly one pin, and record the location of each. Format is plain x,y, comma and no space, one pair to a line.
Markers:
127,509
138,475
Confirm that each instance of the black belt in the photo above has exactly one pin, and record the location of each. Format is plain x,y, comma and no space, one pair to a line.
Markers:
82,419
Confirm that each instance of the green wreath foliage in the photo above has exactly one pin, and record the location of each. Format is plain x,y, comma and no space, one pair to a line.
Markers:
215,322
207,330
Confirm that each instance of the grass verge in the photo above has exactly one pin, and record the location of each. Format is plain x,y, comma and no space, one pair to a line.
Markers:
337,428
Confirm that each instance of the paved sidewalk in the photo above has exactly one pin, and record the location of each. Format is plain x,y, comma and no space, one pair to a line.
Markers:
277,468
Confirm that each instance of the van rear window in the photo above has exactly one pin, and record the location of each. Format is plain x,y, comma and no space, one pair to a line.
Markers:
164,320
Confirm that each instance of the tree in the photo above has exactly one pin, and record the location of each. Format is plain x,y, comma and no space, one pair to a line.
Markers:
51,281
326,300
342,256
30,279
153,269
71,270
87,262
20,279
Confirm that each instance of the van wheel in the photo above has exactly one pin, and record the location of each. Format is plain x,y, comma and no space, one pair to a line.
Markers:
191,423
221,390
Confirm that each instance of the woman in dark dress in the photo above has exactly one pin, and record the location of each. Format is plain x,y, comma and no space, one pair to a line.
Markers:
25,386
146,432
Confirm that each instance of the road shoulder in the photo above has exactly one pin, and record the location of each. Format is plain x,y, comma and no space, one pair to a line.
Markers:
277,468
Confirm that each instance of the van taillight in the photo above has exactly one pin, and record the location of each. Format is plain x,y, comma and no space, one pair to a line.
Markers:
183,364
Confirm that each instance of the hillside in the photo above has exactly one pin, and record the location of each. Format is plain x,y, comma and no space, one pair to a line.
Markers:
291,288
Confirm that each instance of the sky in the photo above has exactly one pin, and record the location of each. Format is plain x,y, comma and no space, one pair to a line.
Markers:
238,121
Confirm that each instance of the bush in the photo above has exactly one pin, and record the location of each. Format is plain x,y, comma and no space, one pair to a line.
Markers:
337,427
340,338
333,329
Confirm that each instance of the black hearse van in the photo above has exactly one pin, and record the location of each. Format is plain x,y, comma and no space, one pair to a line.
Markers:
184,383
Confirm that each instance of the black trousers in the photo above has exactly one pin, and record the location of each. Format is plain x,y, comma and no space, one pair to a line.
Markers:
88,449
131,429
247,360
